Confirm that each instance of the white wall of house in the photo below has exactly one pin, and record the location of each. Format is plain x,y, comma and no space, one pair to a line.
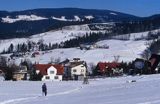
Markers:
52,75
2,78
79,70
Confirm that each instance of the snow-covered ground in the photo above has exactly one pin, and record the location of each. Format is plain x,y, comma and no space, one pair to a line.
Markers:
99,91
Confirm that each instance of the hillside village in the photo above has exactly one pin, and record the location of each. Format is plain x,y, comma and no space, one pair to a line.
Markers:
23,61
79,47
75,69
79,51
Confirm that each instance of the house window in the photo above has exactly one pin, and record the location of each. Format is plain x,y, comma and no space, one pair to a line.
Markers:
82,70
47,77
51,72
56,77
74,70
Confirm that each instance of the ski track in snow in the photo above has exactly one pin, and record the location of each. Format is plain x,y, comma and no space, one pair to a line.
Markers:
11,101
151,102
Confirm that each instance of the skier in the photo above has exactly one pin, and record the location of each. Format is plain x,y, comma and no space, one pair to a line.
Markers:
44,89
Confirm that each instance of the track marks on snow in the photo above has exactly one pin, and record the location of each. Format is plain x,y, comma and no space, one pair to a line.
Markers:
11,101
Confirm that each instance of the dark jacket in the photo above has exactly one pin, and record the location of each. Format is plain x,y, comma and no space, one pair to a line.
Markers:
44,88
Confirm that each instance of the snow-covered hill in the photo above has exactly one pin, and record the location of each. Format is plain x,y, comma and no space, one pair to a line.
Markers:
145,90
127,50
64,14
55,36
30,22
7,19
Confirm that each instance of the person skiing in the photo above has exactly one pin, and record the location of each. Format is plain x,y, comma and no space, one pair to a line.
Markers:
44,89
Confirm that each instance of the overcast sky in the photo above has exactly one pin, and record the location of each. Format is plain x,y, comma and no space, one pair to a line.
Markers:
135,7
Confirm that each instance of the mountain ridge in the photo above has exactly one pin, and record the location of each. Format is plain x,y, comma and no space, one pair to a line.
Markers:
34,21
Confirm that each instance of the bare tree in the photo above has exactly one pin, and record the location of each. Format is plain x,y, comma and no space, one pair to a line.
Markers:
116,58
51,60
92,66
3,61
57,60
146,54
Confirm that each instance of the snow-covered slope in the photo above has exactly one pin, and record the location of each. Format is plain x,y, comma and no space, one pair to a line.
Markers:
32,17
127,50
63,18
56,36
22,17
99,91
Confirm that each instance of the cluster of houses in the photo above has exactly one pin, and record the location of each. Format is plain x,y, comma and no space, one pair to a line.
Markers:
67,70
92,46
76,69
150,66
138,66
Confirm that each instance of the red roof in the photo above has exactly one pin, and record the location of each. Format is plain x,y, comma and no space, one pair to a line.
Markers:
43,68
103,65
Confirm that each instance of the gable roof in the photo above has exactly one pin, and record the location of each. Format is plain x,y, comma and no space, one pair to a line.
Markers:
74,64
43,68
104,65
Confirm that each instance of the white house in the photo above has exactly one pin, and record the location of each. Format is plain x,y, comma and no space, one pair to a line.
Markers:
78,69
50,72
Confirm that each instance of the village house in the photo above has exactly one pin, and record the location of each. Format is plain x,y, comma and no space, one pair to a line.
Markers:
141,66
108,69
21,74
78,69
74,69
150,66
155,61
50,72
34,54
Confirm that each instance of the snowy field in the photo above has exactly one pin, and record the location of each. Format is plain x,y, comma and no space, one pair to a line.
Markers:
99,91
